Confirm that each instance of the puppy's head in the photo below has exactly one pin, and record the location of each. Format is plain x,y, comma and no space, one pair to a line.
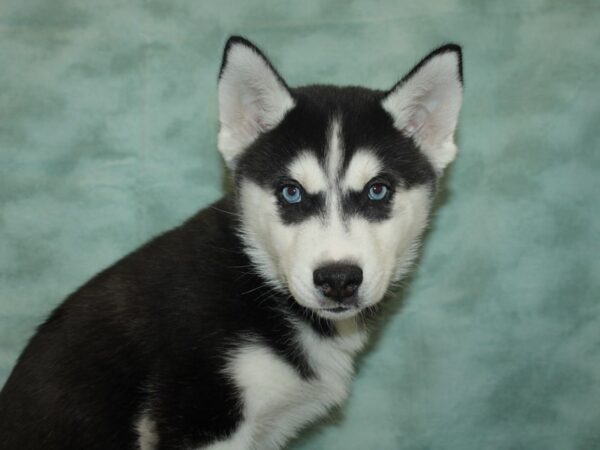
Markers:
334,184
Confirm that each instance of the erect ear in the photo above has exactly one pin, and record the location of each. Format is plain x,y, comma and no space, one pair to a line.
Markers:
425,104
253,98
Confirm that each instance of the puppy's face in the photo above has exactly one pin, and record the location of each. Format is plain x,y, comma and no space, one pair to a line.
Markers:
335,184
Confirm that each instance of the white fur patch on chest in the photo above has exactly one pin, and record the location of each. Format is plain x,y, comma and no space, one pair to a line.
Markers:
278,401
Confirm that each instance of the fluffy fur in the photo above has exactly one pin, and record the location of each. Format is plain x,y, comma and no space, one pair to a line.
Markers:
238,328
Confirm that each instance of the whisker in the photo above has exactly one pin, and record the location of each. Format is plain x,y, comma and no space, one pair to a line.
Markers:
261,286
231,213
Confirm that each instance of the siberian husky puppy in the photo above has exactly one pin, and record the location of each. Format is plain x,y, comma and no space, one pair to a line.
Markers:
239,327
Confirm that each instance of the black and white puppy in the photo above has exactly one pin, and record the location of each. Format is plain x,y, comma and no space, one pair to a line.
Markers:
239,327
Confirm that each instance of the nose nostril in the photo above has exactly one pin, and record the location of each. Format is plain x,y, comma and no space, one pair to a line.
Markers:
327,290
350,289
338,281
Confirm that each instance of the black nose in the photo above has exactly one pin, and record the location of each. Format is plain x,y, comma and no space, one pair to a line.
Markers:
338,281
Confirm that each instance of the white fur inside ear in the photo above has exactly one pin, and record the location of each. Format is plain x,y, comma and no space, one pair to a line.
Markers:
252,100
426,105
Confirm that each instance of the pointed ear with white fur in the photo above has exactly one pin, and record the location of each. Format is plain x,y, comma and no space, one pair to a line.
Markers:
253,98
425,104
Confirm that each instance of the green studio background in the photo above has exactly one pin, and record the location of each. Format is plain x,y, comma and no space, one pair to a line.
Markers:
107,137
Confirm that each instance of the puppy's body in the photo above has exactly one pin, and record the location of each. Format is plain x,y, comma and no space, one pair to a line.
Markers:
237,328
172,342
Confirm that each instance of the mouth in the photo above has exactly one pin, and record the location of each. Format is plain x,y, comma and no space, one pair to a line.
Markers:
338,312
337,309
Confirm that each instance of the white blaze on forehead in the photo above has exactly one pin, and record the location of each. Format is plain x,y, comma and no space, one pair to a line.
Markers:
334,159
307,171
363,166
334,151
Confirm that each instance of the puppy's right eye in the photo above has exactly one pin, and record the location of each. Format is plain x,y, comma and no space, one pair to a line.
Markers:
291,194
378,191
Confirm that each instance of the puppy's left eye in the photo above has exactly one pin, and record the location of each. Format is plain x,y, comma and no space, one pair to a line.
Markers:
291,194
378,191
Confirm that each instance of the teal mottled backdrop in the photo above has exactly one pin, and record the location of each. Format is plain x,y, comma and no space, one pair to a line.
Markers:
107,137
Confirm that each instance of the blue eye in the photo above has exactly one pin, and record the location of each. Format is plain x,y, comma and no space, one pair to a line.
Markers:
291,193
378,191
